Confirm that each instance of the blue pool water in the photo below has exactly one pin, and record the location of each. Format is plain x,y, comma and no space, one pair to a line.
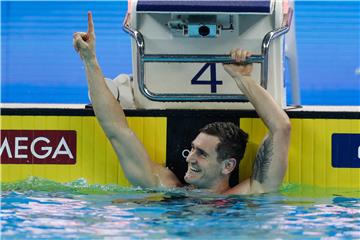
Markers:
41,209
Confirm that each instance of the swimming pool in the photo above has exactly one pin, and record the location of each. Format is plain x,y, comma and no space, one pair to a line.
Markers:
36,208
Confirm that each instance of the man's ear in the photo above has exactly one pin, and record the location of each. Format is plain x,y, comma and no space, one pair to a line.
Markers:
228,165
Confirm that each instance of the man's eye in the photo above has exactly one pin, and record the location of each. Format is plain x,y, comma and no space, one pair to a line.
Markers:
201,153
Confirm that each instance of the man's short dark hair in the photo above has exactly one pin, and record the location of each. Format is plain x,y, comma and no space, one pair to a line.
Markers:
232,140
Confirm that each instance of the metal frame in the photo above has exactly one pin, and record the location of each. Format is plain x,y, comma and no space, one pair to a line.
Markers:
263,59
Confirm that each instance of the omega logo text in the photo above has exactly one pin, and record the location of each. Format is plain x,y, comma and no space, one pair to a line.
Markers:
38,147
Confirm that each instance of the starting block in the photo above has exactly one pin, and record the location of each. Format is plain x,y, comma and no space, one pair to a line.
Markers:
179,46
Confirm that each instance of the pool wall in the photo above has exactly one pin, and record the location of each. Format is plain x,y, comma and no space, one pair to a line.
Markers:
311,156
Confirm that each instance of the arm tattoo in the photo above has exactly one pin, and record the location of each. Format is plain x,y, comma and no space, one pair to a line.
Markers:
263,160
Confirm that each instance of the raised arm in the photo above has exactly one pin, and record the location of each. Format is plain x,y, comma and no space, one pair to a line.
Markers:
272,156
135,161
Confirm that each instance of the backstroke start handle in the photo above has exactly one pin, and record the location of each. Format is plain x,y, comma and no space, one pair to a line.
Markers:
184,58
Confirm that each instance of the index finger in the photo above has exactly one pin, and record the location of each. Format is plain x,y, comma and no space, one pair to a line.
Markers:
90,23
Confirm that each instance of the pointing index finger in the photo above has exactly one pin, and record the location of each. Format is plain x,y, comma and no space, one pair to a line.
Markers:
90,23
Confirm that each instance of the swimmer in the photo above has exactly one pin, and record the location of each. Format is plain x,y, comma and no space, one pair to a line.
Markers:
217,149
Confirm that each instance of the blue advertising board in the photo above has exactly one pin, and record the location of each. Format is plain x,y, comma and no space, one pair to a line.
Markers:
345,150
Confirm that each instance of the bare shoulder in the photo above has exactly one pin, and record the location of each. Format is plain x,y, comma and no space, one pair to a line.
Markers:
166,178
269,166
243,188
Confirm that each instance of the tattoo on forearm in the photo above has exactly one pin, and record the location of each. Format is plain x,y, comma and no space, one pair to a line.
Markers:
263,160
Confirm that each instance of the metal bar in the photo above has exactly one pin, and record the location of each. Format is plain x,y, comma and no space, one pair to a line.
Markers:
183,58
185,97
268,38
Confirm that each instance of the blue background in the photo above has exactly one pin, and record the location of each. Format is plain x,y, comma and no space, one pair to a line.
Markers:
39,65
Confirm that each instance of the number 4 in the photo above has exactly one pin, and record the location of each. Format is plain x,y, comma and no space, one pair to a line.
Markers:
212,82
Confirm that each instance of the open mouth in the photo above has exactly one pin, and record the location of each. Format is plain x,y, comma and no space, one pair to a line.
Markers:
195,169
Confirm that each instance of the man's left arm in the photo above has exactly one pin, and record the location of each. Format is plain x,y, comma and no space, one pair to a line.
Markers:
272,157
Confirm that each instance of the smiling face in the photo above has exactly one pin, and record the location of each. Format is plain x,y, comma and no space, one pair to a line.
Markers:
204,170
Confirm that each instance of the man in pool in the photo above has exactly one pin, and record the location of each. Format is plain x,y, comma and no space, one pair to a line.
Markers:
216,150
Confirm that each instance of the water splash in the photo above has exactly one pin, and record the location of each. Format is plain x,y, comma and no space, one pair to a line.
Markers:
80,186
297,190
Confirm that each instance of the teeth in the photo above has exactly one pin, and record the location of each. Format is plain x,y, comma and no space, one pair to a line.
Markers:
194,169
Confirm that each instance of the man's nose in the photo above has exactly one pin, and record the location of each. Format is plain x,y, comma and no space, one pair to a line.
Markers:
190,158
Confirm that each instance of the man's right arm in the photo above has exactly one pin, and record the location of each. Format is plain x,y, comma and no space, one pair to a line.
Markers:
135,161
272,156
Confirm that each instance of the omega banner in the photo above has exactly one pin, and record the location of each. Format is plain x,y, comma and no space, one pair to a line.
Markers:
38,147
